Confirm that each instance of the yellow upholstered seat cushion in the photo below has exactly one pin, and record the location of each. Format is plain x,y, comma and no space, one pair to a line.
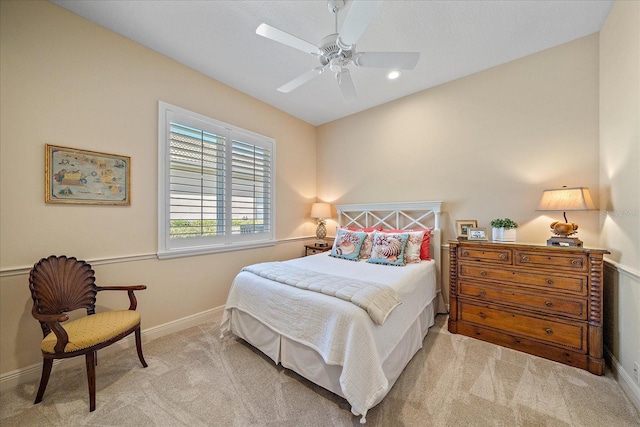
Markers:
91,330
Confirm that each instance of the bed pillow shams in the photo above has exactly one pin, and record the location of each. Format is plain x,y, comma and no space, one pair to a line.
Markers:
347,244
388,248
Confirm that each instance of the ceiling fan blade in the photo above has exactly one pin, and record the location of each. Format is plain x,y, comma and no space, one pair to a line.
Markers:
360,14
300,80
280,36
400,60
346,86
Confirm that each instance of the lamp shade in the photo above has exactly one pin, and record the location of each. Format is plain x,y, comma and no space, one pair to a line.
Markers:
321,210
566,199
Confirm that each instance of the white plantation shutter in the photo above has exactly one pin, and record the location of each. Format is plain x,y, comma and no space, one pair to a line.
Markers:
196,182
216,185
250,186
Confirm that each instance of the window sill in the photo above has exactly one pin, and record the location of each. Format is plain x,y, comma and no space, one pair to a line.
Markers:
195,251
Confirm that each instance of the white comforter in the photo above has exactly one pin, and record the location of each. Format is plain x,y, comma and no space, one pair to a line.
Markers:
342,333
377,300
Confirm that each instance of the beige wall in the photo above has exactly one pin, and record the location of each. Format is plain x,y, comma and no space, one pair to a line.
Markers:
620,185
67,81
486,145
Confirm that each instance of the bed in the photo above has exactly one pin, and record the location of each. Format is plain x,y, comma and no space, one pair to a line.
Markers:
332,341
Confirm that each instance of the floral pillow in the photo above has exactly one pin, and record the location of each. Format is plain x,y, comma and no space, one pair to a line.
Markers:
347,244
388,248
414,244
367,245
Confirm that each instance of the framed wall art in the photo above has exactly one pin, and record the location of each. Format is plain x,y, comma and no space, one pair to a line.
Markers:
463,226
479,234
86,177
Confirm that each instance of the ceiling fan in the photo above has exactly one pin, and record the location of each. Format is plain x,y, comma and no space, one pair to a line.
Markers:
338,50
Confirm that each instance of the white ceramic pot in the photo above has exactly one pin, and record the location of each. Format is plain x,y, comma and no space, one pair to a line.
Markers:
503,234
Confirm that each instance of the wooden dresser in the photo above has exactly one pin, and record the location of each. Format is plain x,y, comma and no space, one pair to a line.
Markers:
541,300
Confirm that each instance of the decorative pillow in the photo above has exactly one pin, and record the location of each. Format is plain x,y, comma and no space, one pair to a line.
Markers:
414,244
425,252
388,248
425,249
367,245
347,244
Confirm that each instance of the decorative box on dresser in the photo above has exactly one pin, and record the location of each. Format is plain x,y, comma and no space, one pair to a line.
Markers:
542,300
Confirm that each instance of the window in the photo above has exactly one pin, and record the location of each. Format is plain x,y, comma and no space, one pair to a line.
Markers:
216,185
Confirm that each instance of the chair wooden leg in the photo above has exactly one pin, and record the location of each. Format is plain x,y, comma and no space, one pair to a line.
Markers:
91,377
47,364
139,347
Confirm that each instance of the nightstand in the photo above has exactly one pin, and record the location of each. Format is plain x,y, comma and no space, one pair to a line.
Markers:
313,249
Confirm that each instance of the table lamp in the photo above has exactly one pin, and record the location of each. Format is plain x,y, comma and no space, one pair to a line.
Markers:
562,200
321,211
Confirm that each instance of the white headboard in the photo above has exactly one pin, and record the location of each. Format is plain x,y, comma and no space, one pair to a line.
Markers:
407,215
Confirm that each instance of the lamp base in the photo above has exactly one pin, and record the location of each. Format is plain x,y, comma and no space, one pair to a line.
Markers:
321,243
564,241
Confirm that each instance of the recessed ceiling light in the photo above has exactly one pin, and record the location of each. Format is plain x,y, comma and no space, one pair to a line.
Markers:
393,75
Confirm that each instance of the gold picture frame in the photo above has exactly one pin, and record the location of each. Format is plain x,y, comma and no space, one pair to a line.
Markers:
76,176
477,234
463,226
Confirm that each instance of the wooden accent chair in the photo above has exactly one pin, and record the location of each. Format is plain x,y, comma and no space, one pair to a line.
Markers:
59,285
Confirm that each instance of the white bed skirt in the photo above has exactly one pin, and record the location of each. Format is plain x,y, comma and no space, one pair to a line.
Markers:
309,364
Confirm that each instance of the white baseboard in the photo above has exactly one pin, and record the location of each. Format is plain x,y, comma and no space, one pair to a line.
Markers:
624,379
33,372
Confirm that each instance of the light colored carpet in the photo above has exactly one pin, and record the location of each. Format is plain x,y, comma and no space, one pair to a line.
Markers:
196,379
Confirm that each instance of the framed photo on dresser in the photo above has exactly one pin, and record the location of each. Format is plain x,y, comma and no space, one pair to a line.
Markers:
463,226
477,234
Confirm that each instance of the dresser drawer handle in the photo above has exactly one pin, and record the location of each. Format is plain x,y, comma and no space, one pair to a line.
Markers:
524,258
465,253
577,262
483,273
549,282
549,304
482,315
548,331
503,256
482,293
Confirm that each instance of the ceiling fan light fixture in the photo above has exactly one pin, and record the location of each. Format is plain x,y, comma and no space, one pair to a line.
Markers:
335,65
394,74
337,51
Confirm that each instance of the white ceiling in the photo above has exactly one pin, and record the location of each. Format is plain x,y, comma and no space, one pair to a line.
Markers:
454,38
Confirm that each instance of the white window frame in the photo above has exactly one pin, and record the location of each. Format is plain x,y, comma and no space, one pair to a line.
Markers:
189,246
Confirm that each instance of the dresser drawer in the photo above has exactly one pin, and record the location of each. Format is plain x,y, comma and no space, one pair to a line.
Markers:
542,280
497,255
570,334
569,261
547,304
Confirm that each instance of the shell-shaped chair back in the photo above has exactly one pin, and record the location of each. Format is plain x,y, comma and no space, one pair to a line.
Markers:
61,284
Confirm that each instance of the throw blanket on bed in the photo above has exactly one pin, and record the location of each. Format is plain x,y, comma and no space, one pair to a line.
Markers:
377,300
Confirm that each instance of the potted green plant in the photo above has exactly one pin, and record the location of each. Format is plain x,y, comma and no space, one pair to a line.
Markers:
503,230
